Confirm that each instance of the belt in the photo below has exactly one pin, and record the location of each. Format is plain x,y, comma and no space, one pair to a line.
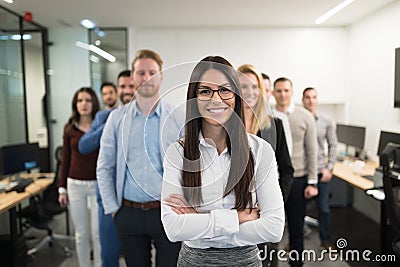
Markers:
143,206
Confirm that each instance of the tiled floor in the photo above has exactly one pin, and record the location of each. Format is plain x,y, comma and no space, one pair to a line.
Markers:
358,231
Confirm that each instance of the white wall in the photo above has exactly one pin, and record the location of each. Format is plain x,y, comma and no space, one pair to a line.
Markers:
370,73
352,68
310,57
370,84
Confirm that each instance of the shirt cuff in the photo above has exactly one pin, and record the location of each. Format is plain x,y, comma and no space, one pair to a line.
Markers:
226,221
312,181
62,190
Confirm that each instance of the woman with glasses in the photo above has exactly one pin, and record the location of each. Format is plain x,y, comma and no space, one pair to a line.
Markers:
220,185
271,130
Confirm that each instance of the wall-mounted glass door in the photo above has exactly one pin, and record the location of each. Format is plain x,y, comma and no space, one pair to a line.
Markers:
23,85
12,96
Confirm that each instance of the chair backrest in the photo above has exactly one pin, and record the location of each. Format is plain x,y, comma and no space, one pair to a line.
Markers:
50,195
386,158
391,203
42,209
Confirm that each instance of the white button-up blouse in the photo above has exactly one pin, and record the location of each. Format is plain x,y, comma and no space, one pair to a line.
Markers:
216,224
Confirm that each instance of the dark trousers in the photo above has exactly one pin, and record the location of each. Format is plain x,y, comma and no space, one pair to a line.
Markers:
137,229
324,212
296,208
109,239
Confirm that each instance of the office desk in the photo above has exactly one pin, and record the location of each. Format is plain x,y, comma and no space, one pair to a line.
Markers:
347,174
9,201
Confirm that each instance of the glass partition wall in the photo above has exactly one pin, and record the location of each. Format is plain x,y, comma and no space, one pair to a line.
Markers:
113,41
12,96
23,83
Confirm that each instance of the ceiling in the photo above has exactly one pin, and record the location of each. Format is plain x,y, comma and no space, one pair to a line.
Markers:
191,13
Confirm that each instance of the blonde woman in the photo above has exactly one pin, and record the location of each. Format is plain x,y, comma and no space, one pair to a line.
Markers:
270,129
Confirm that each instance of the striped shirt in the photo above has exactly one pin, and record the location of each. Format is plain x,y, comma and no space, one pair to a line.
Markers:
326,135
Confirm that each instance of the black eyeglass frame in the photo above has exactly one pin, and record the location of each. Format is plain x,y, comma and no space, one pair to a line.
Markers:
213,91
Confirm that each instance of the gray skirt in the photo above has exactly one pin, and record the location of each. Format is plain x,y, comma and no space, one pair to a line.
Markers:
237,256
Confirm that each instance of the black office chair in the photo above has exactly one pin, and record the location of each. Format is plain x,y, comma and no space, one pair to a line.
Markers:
41,211
390,154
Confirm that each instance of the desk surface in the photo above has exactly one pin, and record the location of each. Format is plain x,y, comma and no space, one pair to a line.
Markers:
346,173
11,199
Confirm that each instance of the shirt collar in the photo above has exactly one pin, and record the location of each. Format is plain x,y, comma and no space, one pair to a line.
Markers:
156,112
290,109
204,143
202,140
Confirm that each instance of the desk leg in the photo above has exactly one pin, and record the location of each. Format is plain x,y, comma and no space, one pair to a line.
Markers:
14,235
383,226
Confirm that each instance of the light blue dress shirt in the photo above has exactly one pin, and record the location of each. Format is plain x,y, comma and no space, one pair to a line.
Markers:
143,176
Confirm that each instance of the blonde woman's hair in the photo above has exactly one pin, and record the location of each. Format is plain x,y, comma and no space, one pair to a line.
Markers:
260,119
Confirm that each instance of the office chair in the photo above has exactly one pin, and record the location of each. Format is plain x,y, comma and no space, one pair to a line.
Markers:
42,209
387,156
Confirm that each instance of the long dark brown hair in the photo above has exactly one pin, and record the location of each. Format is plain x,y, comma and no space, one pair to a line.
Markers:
75,116
242,163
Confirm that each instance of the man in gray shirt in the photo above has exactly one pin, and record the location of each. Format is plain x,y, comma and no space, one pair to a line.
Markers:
326,134
304,160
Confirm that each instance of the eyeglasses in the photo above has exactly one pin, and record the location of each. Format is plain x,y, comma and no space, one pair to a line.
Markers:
205,93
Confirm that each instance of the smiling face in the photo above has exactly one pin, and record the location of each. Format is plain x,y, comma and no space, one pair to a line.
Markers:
215,111
126,89
84,104
249,89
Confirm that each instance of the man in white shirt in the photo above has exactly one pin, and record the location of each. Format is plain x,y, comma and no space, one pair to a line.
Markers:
275,113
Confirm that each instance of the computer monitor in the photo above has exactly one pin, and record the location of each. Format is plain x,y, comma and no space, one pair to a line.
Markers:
351,135
387,137
18,158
